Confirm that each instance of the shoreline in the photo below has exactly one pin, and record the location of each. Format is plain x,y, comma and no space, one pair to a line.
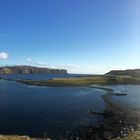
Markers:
112,109
82,81
118,122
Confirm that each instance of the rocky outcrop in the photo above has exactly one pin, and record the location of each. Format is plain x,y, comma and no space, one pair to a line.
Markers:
16,137
30,70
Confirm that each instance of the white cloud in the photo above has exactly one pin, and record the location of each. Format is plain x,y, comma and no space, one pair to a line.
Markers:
54,66
80,69
73,68
3,55
29,60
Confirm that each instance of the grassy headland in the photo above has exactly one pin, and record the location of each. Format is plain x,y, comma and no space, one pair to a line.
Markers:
83,81
131,72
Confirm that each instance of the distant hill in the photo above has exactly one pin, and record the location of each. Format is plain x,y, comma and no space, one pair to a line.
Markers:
29,70
131,72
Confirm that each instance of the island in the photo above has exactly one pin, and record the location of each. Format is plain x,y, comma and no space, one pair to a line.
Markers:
30,70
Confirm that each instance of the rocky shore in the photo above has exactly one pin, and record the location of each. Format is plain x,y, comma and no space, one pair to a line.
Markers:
16,137
114,125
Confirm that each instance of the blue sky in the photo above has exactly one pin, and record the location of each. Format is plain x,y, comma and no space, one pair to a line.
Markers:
83,36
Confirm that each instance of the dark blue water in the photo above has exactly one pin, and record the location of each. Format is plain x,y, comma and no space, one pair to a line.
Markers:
37,76
35,111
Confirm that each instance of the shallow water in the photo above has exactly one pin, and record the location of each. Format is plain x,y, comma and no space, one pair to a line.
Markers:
132,100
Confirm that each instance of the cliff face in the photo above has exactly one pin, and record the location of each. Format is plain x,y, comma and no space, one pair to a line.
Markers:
133,73
30,70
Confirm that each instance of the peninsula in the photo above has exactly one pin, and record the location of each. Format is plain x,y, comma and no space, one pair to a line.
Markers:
106,79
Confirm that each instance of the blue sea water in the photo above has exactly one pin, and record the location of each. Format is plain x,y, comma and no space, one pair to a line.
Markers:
53,111
35,111
37,76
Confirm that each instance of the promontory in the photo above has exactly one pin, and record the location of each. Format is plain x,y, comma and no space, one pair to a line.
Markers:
30,70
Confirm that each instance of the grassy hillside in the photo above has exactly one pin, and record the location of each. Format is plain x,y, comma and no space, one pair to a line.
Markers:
6,71
133,73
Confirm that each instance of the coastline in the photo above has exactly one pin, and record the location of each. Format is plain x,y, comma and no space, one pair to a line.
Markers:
82,81
112,110
134,131
118,122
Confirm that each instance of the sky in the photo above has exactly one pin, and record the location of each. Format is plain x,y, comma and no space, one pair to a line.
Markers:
82,36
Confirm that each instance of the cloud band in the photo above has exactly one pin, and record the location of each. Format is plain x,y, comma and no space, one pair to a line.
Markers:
3,55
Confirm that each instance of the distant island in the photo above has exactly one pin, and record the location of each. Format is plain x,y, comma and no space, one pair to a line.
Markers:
29,70
112,77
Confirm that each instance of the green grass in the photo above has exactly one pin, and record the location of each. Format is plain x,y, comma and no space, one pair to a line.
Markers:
84,81
6,71
132,72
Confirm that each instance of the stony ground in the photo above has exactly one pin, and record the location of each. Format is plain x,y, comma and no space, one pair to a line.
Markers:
115,124
14,137
132,136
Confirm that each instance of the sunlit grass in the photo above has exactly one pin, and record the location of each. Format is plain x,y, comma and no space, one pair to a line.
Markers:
84,81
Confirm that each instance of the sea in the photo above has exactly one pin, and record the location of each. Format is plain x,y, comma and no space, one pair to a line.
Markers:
40,111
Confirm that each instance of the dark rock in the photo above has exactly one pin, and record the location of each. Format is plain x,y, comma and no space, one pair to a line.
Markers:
120,94
114,124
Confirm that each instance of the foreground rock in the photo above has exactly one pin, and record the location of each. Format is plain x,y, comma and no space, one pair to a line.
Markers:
132,136
6,137
114,124
15,137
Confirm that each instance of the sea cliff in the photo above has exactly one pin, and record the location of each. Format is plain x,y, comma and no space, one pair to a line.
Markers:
30,70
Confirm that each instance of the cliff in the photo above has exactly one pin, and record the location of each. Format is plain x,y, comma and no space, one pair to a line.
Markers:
132,72
30,70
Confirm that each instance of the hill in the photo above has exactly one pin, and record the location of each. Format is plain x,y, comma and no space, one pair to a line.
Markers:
30,70
132,73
